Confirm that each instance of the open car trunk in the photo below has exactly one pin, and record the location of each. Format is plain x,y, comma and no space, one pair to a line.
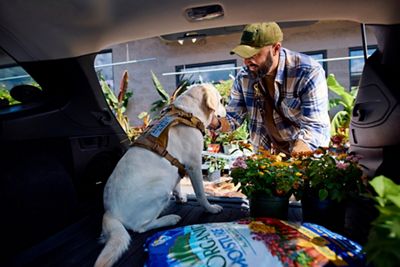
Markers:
78,244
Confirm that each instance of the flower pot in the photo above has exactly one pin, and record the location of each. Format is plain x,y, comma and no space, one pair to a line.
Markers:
214,176
214,148
229,148
327,213
266,206
360,212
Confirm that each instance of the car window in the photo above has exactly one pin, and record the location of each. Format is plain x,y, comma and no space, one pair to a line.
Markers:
356,63
104,66
12,77
208,60
210,72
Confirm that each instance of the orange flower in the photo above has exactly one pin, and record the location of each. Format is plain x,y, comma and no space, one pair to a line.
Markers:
260,227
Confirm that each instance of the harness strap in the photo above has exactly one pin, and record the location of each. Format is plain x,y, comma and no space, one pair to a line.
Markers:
184,117
162,151
159,144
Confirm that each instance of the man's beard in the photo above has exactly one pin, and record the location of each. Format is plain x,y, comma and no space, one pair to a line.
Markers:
261,71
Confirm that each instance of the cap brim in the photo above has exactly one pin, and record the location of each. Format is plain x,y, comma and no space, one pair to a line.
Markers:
245,51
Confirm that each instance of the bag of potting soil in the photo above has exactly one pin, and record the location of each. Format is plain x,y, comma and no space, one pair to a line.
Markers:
258,242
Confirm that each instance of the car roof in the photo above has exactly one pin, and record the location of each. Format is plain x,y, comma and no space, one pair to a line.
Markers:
48,29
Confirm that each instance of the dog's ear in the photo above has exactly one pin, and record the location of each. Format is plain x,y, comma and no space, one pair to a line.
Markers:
210,98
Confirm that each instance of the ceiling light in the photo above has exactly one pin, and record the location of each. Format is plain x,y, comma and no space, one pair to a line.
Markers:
194,40
180,41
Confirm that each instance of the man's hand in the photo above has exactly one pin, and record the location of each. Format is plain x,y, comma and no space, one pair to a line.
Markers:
215,123
300,146
220,124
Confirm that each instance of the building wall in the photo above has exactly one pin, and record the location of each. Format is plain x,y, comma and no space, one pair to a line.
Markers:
162,56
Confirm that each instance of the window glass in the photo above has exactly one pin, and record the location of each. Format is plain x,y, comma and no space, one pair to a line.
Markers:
104,67
11,75
208,60
212,72
356,63
319,56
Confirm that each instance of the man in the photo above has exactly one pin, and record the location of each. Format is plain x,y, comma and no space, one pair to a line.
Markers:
283,94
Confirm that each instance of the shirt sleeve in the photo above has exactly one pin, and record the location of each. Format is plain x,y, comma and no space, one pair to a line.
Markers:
315,121
236,109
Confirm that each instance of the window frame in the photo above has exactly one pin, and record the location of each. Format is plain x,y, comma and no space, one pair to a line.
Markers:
324,53
357,48
179,68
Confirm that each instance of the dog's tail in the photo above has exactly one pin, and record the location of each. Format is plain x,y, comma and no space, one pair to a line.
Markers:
117,241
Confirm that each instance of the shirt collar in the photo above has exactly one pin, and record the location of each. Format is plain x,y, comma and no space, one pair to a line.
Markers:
281,66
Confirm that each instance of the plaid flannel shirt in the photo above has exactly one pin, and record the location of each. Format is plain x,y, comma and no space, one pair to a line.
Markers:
301,95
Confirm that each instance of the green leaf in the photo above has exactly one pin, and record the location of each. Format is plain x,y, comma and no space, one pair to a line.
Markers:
107,91
323,194
333,103
334,86
160,89
395,199
157,105
179,90
340,120
384,186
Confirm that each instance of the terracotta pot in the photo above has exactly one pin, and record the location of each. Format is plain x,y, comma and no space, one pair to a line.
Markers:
266,206
214,148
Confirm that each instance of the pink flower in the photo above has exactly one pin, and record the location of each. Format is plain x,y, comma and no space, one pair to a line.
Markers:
353,158
342,165
239,163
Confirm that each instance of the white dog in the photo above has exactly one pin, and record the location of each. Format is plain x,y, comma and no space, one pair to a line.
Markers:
141,184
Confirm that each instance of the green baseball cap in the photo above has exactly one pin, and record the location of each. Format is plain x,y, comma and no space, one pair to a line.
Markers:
255,36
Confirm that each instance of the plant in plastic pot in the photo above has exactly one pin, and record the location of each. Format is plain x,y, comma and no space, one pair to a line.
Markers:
215,166
268,181
331,177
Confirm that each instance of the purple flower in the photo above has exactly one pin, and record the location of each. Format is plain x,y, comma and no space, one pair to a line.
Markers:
239,163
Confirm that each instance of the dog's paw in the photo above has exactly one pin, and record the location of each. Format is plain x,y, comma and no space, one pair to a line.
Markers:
214,209
181,199
172,219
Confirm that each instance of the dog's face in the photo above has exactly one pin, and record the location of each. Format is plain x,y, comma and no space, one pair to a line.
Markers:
205,98
213,100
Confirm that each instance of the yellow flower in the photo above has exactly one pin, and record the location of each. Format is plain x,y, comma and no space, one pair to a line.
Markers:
297,162
280,164
299,174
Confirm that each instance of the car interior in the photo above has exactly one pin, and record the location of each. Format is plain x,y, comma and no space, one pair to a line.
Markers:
60,140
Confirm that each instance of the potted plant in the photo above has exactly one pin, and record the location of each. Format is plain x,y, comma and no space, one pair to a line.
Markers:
215,167
341,120
383,245
331,176
230,141
210,142
268,181
119,104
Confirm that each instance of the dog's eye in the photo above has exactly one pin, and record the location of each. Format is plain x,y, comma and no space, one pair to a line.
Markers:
221,101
